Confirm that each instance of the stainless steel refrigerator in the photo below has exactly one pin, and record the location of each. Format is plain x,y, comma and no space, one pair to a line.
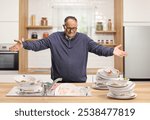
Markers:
137,45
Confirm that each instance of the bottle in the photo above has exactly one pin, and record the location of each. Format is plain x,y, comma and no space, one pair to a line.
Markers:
33,23
44,21
109,25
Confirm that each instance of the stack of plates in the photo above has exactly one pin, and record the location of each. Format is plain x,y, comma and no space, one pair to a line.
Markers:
121,89
107,73
103,76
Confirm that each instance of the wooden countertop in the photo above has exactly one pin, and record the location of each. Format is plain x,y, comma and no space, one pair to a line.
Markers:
98,96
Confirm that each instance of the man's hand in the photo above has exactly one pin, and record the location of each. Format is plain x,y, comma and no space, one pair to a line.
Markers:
17,46
118,52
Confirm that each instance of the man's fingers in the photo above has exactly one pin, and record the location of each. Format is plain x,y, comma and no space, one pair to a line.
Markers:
18,41
119,46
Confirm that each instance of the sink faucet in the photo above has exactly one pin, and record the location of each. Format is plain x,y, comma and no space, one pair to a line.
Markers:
46,87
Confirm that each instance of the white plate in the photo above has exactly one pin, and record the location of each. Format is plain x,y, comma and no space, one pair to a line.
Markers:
69,89
38,90
118,83
99,87
132,96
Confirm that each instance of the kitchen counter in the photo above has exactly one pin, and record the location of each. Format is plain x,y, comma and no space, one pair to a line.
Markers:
98,96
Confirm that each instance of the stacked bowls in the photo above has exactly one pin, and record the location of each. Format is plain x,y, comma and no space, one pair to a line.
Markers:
27,84
105,75
121,89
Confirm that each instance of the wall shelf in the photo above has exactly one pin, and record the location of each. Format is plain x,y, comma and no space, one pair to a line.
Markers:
108,45
105,32
39,27
29,39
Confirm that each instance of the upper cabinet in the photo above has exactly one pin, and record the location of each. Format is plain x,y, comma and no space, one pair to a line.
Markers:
9,10
136,10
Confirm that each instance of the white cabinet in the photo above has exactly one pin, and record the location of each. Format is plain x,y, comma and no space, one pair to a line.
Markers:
9,10
136,10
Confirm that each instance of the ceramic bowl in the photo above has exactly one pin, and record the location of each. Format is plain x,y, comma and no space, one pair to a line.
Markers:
124,90
27,82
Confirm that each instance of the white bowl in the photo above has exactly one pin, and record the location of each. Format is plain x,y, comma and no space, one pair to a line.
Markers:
108,73
126,90
118,83
27,82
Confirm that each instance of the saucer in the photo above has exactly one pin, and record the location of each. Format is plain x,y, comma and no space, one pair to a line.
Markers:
132,96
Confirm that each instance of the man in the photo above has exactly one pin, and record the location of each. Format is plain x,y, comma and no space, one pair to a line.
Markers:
69,51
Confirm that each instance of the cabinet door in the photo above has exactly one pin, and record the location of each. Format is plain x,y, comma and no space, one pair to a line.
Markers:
136,10
9,10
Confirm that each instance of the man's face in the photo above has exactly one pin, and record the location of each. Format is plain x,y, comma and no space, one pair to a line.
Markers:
70,28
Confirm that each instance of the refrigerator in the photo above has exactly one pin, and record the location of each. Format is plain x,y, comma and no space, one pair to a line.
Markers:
137,45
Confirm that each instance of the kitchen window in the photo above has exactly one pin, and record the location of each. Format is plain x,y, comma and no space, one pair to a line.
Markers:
83,13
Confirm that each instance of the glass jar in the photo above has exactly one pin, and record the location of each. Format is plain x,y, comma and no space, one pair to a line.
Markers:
44,21
99,26
111,42
102,41
45,34
34,35
107,41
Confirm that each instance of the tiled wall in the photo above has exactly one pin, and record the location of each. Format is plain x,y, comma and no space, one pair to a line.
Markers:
88,12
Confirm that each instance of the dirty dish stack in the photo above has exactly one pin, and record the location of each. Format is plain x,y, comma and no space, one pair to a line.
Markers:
103,76
121,89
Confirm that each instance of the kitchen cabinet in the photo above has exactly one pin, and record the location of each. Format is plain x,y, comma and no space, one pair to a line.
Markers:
118,62
136,11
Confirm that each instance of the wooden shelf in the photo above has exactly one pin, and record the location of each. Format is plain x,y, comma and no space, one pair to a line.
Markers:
105,32
29,39
39,27
109,45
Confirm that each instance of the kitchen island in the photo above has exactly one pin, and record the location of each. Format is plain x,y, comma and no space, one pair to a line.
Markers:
142,89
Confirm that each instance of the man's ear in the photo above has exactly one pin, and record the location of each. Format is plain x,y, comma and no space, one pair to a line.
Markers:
64,26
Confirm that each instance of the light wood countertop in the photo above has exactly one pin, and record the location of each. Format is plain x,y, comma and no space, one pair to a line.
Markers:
98,96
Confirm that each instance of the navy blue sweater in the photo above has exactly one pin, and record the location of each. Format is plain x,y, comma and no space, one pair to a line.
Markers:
69,57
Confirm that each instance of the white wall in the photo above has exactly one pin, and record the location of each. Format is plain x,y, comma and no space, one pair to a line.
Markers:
137,11
9,17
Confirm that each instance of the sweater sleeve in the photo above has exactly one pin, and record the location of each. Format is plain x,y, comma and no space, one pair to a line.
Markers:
99,49
38,45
